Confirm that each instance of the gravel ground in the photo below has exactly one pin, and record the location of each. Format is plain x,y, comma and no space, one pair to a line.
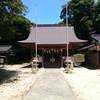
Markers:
85,83
16,81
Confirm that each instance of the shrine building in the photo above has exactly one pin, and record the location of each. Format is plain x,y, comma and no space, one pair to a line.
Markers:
51,41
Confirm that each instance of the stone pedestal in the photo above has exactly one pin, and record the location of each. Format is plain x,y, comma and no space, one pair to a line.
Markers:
34,65
69,65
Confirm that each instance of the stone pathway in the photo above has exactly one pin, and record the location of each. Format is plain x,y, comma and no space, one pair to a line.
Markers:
50,86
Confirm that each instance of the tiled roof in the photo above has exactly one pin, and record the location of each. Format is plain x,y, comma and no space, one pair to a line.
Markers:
52,34
94,40
96,37
4,48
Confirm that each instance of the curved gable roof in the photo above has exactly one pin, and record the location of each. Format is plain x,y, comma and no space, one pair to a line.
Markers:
52,34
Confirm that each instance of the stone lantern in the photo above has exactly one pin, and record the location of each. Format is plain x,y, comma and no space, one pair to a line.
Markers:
69,65
34,65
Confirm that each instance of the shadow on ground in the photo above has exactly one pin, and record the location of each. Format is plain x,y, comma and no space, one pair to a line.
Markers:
88,66
57,65
7,76
28,66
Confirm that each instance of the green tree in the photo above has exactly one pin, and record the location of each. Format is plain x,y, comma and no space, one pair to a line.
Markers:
9,9
80,14
61,22
22,28
96,17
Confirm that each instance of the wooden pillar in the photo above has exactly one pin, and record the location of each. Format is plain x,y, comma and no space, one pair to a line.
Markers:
42,58
72,53
31,54
61,58
6,59
99,59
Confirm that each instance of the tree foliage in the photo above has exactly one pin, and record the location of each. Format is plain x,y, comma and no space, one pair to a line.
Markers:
97,17
14,26
83,15
9,11
22,27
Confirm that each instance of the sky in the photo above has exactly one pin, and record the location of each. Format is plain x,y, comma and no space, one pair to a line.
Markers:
48,11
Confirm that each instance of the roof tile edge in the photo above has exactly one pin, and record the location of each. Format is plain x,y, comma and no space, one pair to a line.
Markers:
51,25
